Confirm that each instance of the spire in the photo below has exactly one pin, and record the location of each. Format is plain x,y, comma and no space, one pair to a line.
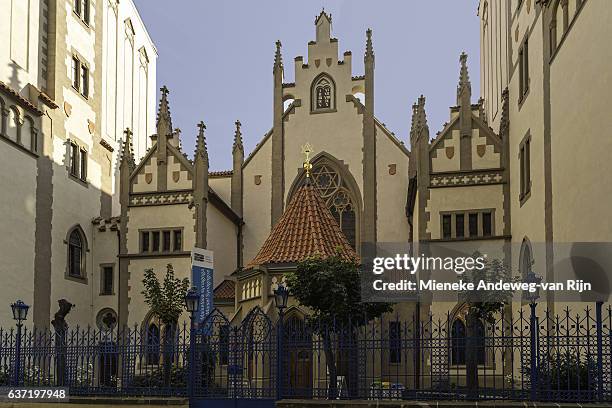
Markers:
278,58
238,138
369,52
323,27
201,150
464,89
127,152
323,14
419,117
164,121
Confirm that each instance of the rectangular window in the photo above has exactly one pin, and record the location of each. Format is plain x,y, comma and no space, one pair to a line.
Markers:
75,72
178,240
84,81
446,226
107,281
460,225
487,224
83,159
473,224
77,7
523,62
75,261
74,159
144,241
86,11
525,167
166,241
155,247
395,342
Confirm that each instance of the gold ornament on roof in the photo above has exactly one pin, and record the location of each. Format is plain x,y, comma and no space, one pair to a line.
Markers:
307,151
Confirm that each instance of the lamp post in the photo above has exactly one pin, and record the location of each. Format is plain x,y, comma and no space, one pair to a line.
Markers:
532,296
191,304
281,294
20,313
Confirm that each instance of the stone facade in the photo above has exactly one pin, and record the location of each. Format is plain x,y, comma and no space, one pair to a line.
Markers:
503,169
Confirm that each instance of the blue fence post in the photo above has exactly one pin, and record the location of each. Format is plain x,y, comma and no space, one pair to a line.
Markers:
17,374
599,325
279,354
192,345
533,348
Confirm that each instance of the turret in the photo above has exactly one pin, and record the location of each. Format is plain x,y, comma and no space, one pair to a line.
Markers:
464,96
200,186
369,147
164,129
277,139
237,162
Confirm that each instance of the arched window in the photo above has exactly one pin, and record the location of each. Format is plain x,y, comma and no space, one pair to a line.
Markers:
459,342
153,342
525,258
77,247
338,191
323,94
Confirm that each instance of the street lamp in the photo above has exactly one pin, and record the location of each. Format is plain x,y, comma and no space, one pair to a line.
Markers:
533,279
20,313
281,294
192,301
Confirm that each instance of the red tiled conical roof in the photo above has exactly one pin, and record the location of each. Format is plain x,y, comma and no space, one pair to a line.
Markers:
306,228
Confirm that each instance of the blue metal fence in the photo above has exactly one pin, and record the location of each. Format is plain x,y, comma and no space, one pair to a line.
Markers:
526,355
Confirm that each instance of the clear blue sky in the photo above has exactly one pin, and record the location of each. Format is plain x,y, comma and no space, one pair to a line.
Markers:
216,58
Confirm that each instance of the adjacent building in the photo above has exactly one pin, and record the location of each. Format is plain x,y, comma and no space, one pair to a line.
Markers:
74,74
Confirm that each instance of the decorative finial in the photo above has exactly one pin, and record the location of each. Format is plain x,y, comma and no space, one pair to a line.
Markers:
128,153
464,81
201,149
278,58
369,53
237,137
164,121
307,151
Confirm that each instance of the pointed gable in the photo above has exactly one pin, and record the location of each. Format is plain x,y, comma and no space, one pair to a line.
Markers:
305,229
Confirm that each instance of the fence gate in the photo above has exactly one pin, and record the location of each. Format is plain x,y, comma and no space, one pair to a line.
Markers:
235,366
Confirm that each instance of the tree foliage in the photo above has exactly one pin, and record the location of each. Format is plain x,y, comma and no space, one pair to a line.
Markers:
331,287
485,304
167,298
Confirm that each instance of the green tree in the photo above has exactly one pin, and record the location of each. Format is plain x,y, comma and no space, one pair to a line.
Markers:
166,300
482,305
331,288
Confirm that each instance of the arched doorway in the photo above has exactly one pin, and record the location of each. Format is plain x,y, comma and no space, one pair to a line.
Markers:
298,357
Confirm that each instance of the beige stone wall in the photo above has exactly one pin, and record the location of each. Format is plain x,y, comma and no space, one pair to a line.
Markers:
392,189
464,198
257,199
222,240
18,202
222,186
580,106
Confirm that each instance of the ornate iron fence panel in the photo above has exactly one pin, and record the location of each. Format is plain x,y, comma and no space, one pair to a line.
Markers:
525,354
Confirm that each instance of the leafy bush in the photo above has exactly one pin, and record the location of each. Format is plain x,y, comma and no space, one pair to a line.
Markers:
565,371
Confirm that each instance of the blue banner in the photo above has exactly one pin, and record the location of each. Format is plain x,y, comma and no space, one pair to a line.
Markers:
202,268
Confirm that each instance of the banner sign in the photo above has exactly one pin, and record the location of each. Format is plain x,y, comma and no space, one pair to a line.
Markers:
202,267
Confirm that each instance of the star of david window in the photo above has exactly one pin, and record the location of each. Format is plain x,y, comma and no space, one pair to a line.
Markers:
337,196
323,94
